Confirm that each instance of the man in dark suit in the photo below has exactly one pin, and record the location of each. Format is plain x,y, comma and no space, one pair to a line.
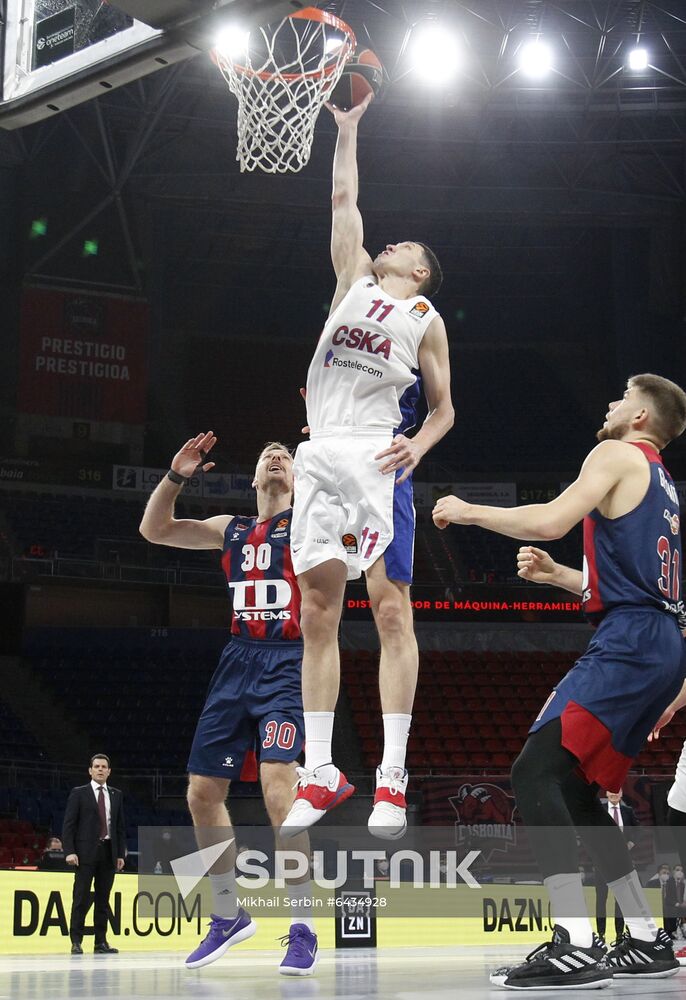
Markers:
94,838
625,817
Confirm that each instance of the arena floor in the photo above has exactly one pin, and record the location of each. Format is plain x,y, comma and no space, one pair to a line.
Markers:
391,974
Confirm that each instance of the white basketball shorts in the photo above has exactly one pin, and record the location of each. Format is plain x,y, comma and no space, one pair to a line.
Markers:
343,505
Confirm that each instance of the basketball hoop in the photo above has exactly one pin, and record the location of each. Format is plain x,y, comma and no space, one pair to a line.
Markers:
282,76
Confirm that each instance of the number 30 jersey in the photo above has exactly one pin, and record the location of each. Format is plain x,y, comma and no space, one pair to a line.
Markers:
364,373
635,559
256,559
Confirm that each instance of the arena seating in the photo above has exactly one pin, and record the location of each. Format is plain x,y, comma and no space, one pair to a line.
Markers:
28,816
94,527
20,842
142,705
473,710
15,740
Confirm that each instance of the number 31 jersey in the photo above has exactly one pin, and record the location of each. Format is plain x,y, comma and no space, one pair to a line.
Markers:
365,366
635,559
256,559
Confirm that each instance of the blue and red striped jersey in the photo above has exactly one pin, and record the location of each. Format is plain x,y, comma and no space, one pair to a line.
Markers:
256,559
635,559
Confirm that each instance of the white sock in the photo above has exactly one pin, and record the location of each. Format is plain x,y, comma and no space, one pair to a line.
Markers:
300,896
396,729
629,893
224,901
568,907
318,733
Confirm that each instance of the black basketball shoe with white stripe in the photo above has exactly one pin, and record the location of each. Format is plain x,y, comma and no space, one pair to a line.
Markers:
633,958
558,965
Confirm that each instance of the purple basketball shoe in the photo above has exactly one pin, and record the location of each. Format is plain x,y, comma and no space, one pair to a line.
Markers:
301,957
222,935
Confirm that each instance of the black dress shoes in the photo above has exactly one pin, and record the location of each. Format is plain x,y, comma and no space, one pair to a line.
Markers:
76,949
104,949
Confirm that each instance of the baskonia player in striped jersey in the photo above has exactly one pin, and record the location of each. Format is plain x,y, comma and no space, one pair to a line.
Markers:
599,716
259,575
254,701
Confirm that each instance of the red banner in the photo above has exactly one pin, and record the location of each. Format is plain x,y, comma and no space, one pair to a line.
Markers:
83,356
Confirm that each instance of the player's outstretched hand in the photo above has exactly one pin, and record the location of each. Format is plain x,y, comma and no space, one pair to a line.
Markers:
353,116
449,510
193,454
535,565
403,454
664,720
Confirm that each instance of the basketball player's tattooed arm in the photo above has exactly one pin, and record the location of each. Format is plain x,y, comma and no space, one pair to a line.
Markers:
350,260
159,524
434,366
539,567
601,472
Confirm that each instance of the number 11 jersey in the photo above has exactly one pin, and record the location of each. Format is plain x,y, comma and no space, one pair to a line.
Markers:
365,366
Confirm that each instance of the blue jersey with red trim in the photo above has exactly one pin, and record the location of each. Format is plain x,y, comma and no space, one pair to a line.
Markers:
256,559
635,559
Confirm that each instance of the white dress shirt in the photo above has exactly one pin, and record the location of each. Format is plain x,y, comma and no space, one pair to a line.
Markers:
108,808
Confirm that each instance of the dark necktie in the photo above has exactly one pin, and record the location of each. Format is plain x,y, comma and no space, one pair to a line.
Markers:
615,814
102,813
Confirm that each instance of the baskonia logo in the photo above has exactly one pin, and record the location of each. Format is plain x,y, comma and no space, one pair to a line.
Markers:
485,818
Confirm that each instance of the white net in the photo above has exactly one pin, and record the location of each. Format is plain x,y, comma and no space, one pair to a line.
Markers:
282,76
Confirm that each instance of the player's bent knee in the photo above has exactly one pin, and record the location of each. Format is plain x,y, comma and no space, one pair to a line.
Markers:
393,618
205,793
526,775
277,789
318,621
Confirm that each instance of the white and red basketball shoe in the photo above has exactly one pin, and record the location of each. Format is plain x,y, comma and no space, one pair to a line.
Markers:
680,956
389,815
318,792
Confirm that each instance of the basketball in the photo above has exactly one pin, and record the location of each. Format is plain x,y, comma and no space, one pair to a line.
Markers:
361,76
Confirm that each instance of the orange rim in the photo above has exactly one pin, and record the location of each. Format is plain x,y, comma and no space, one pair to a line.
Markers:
306,14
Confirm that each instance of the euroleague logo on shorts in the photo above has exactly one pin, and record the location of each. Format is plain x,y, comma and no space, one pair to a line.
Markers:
349,543
484,817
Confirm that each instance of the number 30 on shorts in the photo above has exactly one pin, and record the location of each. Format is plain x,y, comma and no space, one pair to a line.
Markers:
282,735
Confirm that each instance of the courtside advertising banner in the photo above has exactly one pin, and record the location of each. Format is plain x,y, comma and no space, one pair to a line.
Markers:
211,485
83,356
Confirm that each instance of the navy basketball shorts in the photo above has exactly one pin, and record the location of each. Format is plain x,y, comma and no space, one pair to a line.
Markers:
614,694
254,705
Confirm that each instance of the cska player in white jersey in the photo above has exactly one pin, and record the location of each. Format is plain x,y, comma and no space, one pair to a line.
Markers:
353,509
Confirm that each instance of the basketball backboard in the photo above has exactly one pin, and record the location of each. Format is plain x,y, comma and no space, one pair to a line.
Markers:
58,53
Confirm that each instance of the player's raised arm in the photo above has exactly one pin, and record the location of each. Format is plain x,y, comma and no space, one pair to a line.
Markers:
538,566
159,524
350,259
601,471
